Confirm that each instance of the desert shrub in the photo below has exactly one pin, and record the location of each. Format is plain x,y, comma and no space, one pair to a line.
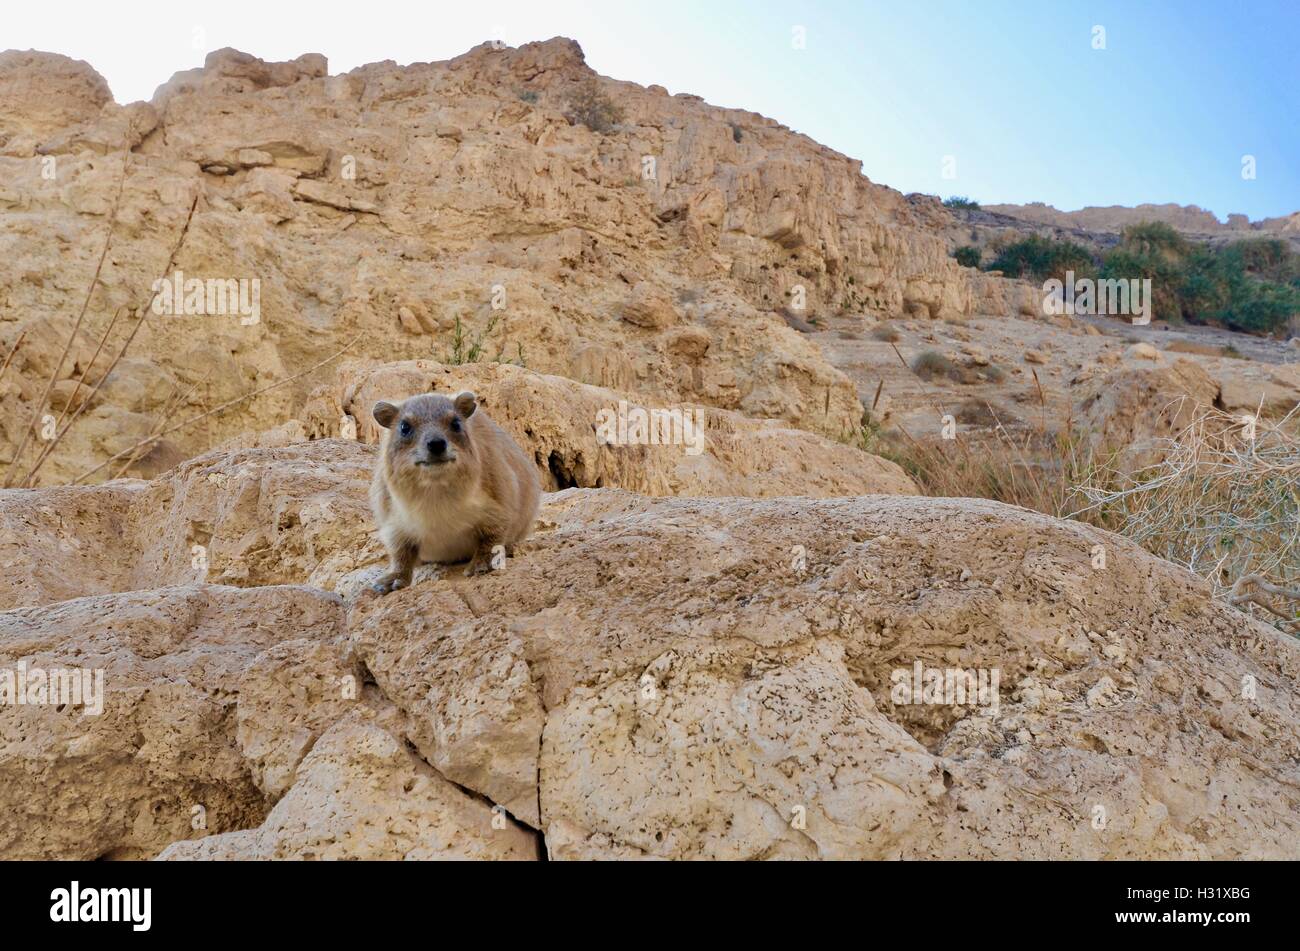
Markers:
590,107
1039,471
968,256
977,413
467,349
1218,502
886,333
528,96
929,364
1269,258
1041,258
1152,238
1165,276
1260,307
961,203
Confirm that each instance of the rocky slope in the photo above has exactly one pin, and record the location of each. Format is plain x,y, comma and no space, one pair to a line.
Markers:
391,206
658,678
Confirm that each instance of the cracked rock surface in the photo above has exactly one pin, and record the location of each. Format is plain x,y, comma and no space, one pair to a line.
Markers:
647,677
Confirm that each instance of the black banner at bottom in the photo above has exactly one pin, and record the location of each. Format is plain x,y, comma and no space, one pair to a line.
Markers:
339,901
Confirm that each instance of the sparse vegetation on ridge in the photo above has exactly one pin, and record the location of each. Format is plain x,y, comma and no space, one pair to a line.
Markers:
590,107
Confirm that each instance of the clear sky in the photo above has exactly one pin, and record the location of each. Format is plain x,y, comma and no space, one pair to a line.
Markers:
1012,90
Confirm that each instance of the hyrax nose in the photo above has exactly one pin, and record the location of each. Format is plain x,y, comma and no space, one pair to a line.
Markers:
437,446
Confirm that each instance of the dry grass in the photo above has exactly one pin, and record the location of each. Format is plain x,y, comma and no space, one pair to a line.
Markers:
1218,502
1202,349
1035,470
930,364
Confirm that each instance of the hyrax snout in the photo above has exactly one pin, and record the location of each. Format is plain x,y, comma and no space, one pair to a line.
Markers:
450,485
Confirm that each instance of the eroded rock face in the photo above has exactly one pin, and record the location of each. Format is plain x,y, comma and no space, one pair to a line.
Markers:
1131,409
248,517
1114,218
42,94
282,511
695,724
390,206
164,753
666,678
585,436
360,794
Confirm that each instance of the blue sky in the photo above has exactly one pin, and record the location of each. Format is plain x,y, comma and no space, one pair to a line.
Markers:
1012,90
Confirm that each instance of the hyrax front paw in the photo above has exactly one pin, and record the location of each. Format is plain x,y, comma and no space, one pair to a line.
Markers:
478,566
487,558
390,582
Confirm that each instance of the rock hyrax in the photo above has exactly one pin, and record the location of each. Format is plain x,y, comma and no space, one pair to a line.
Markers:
450,485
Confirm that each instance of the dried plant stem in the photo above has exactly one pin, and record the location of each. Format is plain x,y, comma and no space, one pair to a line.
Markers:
1240,595
224,406
76,327
12,351
171,260
59,429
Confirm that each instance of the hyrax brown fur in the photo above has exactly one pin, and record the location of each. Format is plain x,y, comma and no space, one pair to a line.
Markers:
450,485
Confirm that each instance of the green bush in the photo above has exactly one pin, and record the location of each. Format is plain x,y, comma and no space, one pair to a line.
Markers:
1261,307
961,203
968,255
1040,258
1153,239
1251,285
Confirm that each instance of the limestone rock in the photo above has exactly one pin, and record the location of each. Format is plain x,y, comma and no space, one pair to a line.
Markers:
163,754
559,423
360,794
650,308
656,678
1143,351
1132,408
350,197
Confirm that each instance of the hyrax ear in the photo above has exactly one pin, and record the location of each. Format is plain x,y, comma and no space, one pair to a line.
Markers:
465,404
386,413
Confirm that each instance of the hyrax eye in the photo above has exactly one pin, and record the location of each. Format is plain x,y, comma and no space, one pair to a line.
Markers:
405,429
455,425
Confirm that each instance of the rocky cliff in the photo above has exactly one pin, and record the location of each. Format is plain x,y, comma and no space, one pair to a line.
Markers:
1115,218
406,211
761,645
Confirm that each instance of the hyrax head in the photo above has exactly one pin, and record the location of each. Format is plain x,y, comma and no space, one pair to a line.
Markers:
428,435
